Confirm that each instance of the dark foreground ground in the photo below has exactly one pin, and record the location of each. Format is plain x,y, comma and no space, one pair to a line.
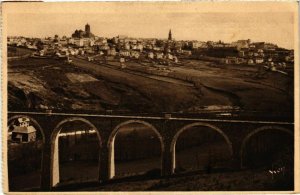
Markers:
247,180
82,176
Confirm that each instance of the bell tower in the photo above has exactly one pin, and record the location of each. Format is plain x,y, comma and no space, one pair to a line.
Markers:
87,29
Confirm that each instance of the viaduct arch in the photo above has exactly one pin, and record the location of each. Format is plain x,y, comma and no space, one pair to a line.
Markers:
55,147
260,129
39,128
196,124
111,141
11,119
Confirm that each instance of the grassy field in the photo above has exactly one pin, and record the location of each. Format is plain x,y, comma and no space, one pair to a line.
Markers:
191,87
240,84
48,82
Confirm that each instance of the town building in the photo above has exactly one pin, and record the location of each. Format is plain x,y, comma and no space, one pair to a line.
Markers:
124,53
259,60
159,55
111,52
151,55
81,42
240,44
83,34
135,54
23,132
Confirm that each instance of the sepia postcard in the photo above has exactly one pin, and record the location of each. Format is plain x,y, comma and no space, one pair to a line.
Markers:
156,97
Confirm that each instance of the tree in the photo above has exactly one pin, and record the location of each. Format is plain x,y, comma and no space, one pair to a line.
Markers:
159,43
40,45
56,38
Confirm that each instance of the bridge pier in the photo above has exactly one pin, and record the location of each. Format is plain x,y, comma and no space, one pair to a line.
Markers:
46,168
104,164
236,157
167,163
55,163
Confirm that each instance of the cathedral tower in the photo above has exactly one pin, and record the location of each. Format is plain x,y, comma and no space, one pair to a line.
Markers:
87,29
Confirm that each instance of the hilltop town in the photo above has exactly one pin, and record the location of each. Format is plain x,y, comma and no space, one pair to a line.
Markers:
144,75
158,51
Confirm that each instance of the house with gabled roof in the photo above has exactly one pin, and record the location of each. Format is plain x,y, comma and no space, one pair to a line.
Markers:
23,132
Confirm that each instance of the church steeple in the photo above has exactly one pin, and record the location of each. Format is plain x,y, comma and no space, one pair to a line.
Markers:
170,35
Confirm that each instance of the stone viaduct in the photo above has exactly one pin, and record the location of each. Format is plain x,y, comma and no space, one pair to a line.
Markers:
168,128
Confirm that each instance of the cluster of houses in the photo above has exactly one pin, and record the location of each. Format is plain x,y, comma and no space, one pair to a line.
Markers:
84,43
246,52
30,43
120,46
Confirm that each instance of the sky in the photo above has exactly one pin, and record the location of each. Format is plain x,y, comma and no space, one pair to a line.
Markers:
275,27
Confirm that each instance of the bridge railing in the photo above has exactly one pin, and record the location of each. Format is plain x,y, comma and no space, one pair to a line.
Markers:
209,117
